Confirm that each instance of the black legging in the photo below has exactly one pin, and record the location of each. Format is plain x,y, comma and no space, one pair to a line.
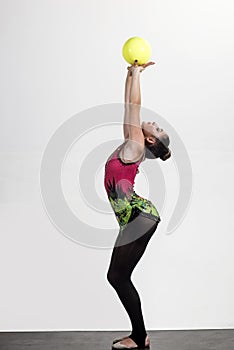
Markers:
125,256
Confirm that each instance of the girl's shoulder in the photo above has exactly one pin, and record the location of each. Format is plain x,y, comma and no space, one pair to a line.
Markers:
130,154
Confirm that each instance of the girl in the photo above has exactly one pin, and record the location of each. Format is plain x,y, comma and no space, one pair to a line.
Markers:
138,218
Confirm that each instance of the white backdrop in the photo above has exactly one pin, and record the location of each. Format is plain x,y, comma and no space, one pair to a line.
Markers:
61,57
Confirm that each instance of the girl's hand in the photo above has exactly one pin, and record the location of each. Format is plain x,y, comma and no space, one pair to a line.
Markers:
135,67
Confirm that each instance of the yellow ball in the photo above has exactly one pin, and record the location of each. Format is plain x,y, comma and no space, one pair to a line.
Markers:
136,48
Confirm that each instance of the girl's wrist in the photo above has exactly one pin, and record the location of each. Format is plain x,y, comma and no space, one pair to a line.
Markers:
136,71
129,74
136,67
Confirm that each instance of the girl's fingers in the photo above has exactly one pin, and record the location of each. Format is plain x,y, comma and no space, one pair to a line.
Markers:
141,66
135,64
148,64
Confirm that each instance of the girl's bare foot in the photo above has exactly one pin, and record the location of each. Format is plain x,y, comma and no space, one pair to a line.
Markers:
128,342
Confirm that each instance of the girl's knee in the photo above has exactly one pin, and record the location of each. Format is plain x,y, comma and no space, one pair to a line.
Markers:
112,277
116,278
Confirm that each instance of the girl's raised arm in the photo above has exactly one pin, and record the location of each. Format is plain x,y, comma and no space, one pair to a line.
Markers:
128,83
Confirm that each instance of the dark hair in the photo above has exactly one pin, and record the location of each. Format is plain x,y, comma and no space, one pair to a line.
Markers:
159,149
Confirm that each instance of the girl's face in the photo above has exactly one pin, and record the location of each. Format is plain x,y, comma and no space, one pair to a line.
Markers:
152,129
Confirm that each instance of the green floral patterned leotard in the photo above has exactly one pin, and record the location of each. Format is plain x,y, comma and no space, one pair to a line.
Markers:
119,185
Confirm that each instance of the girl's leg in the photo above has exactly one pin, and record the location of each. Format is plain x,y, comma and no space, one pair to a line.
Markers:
123,261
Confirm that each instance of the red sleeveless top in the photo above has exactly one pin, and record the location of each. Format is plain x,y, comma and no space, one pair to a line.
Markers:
119,176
